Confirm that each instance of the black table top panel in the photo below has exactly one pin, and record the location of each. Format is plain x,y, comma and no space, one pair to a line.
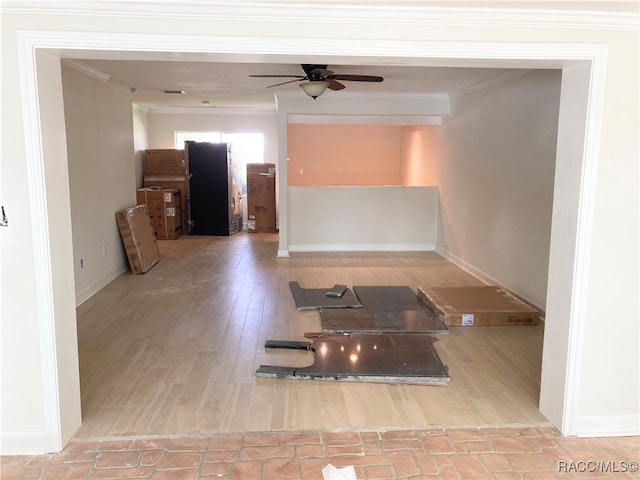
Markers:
366,358
394,297
316,298
381,320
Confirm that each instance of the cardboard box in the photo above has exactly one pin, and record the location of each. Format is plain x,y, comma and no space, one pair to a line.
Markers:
179,182
165,162
261,193
164,209
477,306
138,238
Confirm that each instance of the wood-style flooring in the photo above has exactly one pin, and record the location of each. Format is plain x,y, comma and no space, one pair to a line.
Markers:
174,351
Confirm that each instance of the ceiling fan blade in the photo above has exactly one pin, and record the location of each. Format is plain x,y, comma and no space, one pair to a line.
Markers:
284,83
277,76
357,78
334,85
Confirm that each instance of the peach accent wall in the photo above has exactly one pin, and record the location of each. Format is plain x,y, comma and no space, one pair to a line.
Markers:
362,155
357,155
420,155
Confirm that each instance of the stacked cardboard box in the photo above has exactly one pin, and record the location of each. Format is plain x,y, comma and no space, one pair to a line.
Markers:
164,209
138,238
261,192
165,162
477,306
178,182
168,168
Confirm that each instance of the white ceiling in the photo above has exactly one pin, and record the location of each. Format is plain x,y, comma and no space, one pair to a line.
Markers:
228,85
223,80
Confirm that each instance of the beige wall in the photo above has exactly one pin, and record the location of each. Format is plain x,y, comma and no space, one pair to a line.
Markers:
102,175
140,140
496,182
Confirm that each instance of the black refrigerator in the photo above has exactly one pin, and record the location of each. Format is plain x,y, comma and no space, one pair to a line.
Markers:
215,205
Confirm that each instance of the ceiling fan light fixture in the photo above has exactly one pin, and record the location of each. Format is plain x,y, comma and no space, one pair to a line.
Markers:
314,88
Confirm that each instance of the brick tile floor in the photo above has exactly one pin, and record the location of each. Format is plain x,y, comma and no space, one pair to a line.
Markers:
457,453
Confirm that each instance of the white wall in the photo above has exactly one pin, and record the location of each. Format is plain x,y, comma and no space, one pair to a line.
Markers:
611,302
496,182
362,218
21,413
603,300
163,125
140,140
102,175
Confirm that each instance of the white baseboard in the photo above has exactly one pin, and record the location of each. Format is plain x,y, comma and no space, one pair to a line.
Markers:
365,247
23,443
607,425
482,276
467,267
84,295
283,254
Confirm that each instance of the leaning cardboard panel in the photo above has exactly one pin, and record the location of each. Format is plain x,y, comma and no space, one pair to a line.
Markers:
477,306
138,238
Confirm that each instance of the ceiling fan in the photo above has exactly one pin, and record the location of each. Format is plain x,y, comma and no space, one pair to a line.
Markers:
317,79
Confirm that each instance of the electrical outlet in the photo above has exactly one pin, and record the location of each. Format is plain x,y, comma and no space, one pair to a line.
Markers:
104,251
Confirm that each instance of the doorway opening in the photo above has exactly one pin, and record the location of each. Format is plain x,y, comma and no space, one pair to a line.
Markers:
568,295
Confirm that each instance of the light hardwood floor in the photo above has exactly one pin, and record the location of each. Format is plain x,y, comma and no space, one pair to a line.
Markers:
174,351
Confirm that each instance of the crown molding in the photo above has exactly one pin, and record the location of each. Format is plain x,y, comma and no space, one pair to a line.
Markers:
267,111
495,80
332,13
369,95
399,120
86,69
140,108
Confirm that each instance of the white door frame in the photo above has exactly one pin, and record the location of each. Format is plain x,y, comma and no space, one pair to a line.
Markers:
504,54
